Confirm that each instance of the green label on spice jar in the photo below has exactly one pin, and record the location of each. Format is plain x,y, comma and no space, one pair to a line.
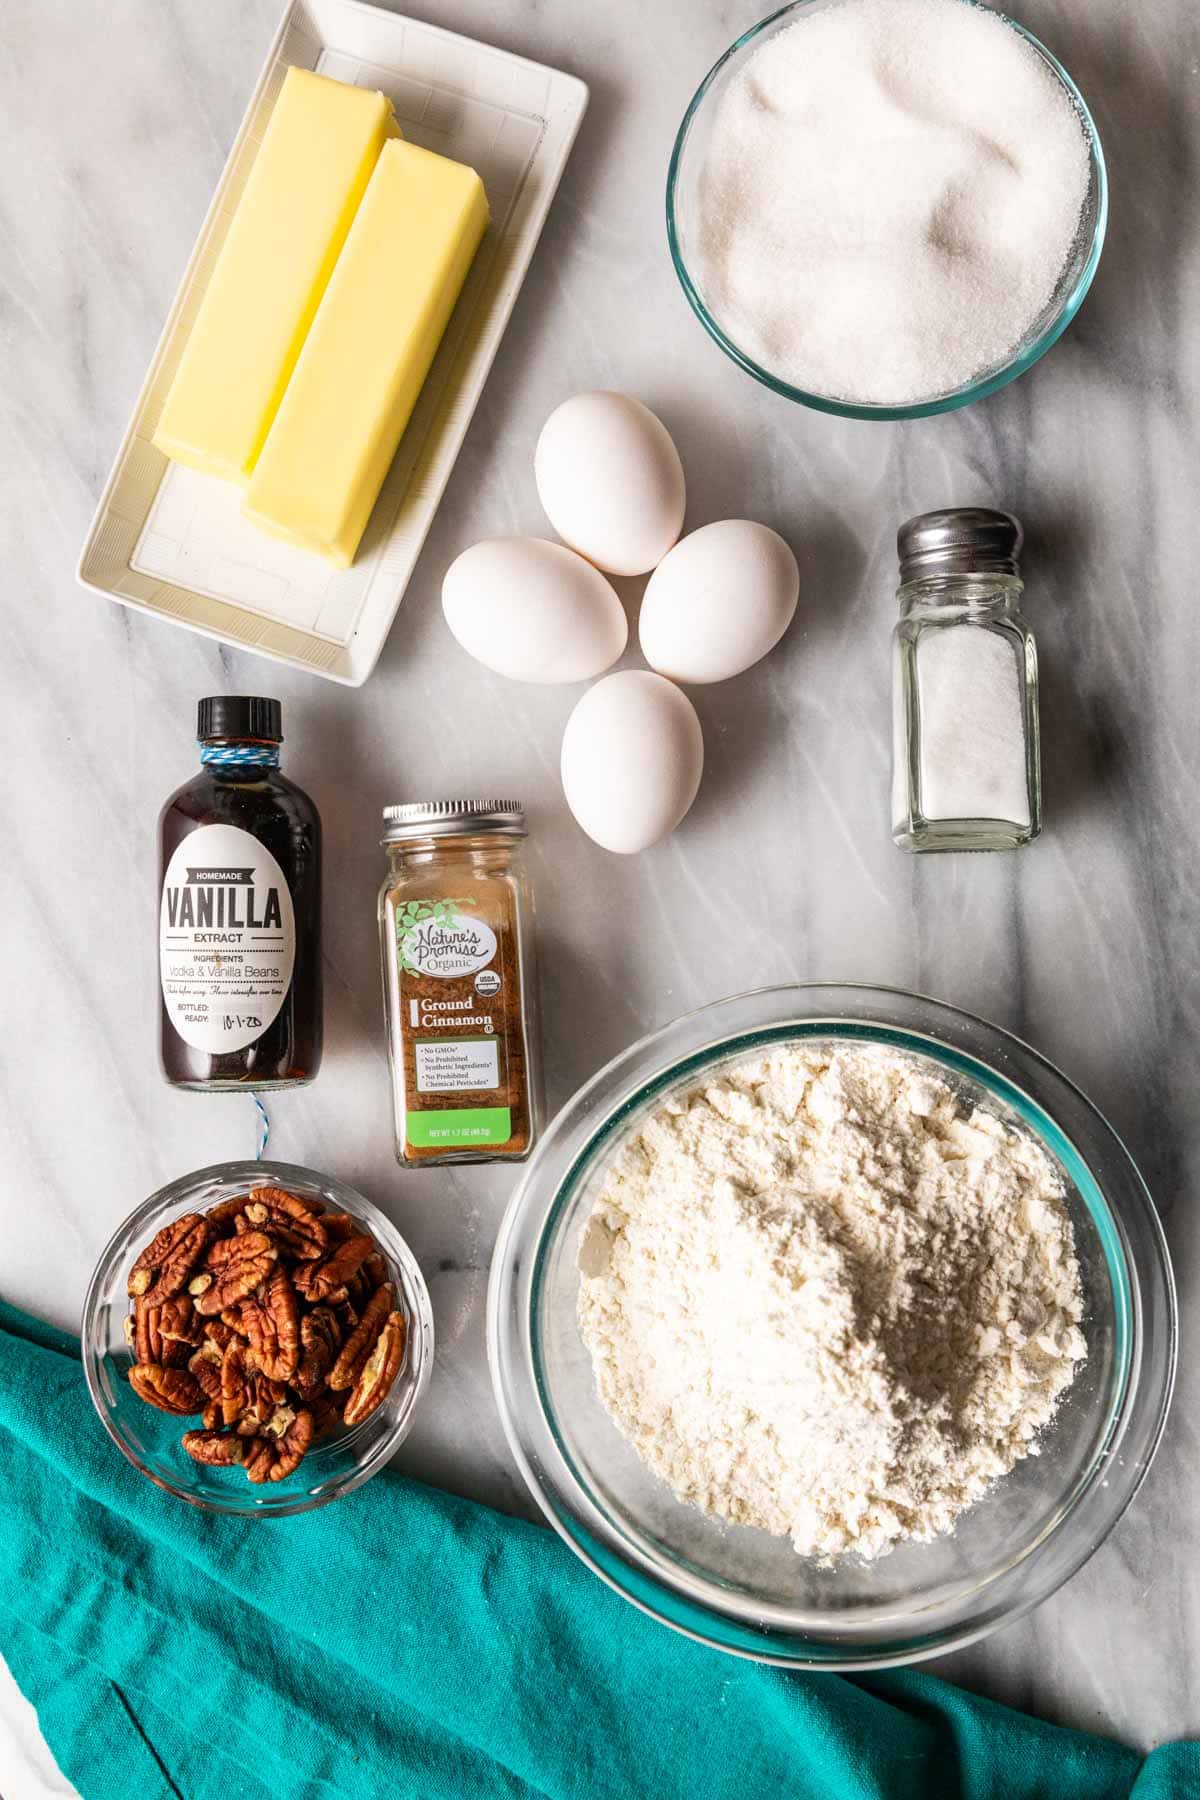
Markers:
459,1128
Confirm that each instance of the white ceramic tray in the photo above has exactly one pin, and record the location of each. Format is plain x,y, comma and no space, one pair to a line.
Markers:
172,542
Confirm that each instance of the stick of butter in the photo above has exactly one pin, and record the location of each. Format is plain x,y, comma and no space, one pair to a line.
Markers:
321,143
368,352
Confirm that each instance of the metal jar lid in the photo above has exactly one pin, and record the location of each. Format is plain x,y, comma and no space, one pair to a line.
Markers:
452,818
959,540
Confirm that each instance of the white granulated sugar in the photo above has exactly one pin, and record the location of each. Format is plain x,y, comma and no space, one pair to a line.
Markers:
822,1298
890,194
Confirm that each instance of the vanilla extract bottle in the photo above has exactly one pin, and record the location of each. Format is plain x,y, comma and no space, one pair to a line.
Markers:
240,911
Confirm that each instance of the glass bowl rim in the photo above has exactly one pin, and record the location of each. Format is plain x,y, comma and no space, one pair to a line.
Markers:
1145,1389
172,1198
971,391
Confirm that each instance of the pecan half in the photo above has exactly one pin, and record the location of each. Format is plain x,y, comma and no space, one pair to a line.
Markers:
288,1220
365,1280
357,1347
225,1210
248,1397
272,1323
205,1365
318,1280
164,1330
327,1414
235,1382
319,1337
181,1320
272,1458
378,1372
236,1265
339,1226
211,1417
220,1449
165,1264
171,1390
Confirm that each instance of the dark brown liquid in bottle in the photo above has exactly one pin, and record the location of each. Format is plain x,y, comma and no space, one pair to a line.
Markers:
281,816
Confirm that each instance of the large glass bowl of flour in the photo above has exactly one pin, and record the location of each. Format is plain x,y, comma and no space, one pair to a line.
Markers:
741,1588
891,228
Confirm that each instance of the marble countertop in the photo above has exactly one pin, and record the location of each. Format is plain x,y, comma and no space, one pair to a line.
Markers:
117,119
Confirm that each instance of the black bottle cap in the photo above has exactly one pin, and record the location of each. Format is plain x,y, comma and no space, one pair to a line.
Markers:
239,716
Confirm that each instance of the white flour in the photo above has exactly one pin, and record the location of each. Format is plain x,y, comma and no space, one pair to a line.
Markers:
821,1299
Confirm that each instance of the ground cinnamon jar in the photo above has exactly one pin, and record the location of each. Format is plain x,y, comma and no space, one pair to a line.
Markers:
455,918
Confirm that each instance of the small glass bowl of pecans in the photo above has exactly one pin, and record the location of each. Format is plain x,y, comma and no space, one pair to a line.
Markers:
256,1338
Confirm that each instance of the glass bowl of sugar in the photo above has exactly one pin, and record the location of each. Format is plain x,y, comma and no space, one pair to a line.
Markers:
886,209
832,1326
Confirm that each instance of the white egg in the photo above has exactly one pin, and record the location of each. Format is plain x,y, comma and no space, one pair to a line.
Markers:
533,610
632,757
718,601
610,479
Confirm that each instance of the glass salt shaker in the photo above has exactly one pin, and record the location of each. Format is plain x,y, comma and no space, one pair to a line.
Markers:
966,772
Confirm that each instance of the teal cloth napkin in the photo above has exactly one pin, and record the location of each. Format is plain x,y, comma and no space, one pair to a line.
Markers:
403,1642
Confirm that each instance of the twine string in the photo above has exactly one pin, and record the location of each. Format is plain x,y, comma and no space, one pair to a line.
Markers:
263,1128
241,756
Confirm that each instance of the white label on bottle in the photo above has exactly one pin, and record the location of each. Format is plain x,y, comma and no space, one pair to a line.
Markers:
443,939
226,939
458,1065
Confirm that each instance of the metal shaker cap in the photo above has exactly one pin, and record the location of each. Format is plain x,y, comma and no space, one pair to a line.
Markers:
452,818
959,540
